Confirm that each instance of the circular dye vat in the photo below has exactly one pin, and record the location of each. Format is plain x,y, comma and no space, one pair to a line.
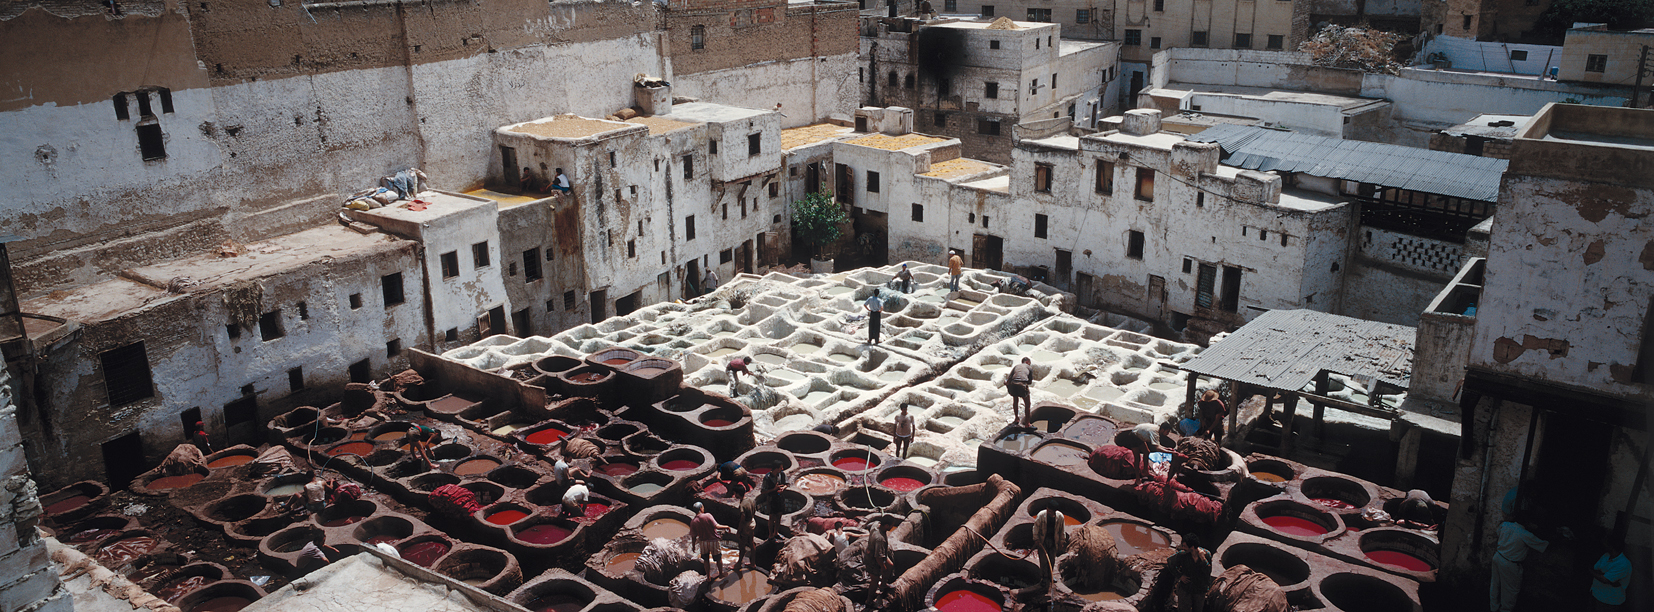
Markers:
1399,559
1061,454
475,466
352,448
231,461
174,482
621,563
1337,504
718,422
173,591
1268,476
546,436
966,601
854,463
594,510
424,554
646,488
586,377
1136,538
506,517
292,488
122,551
901,484
91,535
1019,442
390,436
748,585
67,504
222,604
384,539
343,520
1292,525
617,469
680,465
616,361
557,602
669,528
544,534
819,484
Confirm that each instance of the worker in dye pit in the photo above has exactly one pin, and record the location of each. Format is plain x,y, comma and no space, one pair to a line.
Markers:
561,183
1016,384
1051,539
1416,511
735,479
1609,576
1144,439
905,276
1211,410
1017,284
744,529
1515,540
342,492
1188,573
875,310
575,499
775,483
903,432
956,268
199,438
736,368
420,439
703,531
315,495
313,557
709,283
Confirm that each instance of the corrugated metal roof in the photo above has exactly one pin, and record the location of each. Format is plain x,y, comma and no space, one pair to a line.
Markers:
1286,349
1438,172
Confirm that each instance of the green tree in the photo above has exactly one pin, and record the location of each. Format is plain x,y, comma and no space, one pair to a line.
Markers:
817,218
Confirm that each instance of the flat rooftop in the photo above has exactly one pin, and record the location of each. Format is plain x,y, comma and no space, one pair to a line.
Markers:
566,126
895,143
506,200
1157,140
990,25
437,204
660,125
959,167
1491,126
1350,104
810,134
264,258
1071,143
97,301
1068,47
1307,201
707,112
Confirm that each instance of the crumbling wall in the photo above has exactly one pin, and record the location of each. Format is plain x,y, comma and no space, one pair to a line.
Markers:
27,578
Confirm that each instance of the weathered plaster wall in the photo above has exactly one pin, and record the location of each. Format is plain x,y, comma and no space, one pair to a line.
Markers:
806,90
1481,483
1291,70
28,580
1428,100
1393,277
1304,117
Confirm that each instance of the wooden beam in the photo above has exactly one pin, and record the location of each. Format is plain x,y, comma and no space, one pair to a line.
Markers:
1372,411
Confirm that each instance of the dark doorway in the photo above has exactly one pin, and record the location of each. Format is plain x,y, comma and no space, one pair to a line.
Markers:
361,371
743,258
627,304
189,418
1157,297
1065,266
1557,486
861,124
987,252
844,185
240,423
764,256
812,177
1082,288
1230,301
522,323
123,460
600,305
692,279
508,160
1136,85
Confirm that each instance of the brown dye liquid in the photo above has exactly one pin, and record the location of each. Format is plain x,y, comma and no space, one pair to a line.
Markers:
390,436
222,604
1268,476
1060,454
172,592
617,361
451,404
669,528
1132,538
69,503
174,482
622,563
231,461
119,553
749,586
475,466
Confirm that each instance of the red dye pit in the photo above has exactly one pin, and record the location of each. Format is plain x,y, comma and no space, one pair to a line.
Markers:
223,604
761,471
544,534
174,482
1399,559
851,464
594,510
507,517
556,603
353,448
617,361
586,377
966,601
1333,503
68,504
1292,525
424,554
681,465
230,461
902,484
617,469
718,422
546,436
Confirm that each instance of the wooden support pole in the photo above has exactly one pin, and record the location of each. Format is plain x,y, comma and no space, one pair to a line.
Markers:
1407,453
1320,409
1189,397
1288,412
1234,407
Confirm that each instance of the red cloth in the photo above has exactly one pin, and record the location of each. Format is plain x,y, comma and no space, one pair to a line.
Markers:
1178,501
1117,462
817,524
348,492
454,500
703,528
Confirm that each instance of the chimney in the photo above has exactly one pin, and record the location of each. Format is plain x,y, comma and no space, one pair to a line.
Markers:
1141,122
654,97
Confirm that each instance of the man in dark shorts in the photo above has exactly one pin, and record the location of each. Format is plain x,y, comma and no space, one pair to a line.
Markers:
903,432
775,483
1016,384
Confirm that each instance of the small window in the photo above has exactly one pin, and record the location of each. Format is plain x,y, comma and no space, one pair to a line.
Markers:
355,301
775,190
126,376
992,44
1039,225
1145,184
304,311
1134,38
688,167
1159,6
689,227
712,147
697,37
1105,177
872,182
1243,41
144,109
1188,265
1518,55
568,300
452,335
894,79
393,348
361,371
1039,15
918,213
725,256
984,221
1036,42
450,264
1154,42
152,145
1276,42
908,81
944,88
988,11
1283,239
531,265
1134,244
725,211
391,286
950,6
1593,63
122,111
755,144
1042,178
1197,39
1466,26
295,379
1200,199
611,159
233,331
1033,87
1053,80
990,90
1263,234
988,127
1082,16
939,119
269,326
631,249
479,254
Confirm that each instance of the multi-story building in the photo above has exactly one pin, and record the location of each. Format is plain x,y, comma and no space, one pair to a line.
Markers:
1501,20
975,80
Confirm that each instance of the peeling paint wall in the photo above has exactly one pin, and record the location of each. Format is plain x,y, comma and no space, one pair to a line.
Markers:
30,581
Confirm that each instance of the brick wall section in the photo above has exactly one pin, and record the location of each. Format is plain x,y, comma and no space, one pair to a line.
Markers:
28,582
742,33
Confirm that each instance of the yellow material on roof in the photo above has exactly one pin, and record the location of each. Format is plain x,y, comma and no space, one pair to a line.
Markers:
658,125
810,134
566,126
895,143
506,200
1003,23
957,167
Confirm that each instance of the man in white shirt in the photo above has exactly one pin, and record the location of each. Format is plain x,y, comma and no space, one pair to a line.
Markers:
903,432
561,183
710,282
1514,542
875,309
575,499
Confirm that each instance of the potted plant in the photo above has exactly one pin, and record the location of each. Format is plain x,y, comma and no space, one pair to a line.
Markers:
818,220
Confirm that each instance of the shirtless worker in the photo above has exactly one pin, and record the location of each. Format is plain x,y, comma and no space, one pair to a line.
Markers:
1016,384
903,431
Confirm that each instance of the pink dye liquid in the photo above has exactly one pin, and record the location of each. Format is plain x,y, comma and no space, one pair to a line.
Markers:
681,465
966,601
617,469
595,510
851,464
507,517
546,436
1292,525
718,422
543,534
902,484
1399,559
